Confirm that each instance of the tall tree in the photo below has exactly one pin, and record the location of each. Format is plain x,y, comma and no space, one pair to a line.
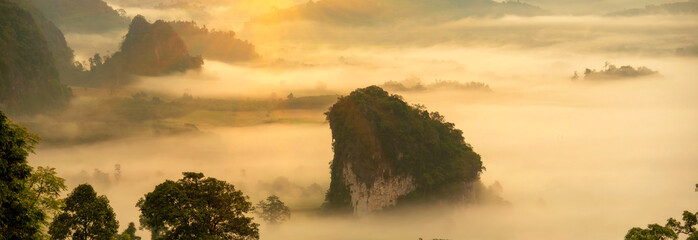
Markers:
85,216
195,207
671,230
17,220
273,210
43,192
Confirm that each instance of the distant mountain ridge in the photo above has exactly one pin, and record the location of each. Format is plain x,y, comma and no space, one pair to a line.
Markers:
212,44
677,8
83,16
367,12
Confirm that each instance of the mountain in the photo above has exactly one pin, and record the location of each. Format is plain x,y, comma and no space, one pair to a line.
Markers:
389,153
368,12
83,16
677,8
215,45
28,77
62,54
147,50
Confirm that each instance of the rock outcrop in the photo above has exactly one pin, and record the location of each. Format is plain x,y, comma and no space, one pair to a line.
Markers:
148,50
388,153
382,193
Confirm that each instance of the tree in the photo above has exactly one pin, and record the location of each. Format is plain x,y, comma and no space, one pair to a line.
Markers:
670,230
129,233
195,207
273,210
17,219
85,216
43,191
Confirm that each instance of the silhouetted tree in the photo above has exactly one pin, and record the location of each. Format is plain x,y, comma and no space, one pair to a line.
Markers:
670,230
17,219
273,210
195,207
85,216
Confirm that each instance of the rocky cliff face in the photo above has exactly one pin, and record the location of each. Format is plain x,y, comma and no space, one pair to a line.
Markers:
387,153
383,193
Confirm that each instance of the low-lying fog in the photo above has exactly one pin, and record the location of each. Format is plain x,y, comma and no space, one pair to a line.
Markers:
576,159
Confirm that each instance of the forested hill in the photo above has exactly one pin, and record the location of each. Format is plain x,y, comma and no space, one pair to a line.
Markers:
213,44
84,16
62,54
378,136
147,50
28,77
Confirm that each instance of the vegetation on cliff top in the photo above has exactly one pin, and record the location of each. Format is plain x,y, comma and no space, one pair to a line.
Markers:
381,135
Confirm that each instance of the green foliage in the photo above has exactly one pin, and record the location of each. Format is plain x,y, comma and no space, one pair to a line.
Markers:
129,233
17,219
670,230
43,192
28,77
85,216
195,207
273,210
376,131
62,54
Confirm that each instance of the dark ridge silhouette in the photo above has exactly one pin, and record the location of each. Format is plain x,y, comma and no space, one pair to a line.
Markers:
28,77
212,44
148,50
63,56
84,16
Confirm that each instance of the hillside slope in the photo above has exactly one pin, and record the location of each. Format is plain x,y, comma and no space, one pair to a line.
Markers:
28,77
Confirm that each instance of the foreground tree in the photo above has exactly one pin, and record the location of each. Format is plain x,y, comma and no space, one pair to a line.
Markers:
43,192
670,230
17,219
85,216
195,207
273,210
